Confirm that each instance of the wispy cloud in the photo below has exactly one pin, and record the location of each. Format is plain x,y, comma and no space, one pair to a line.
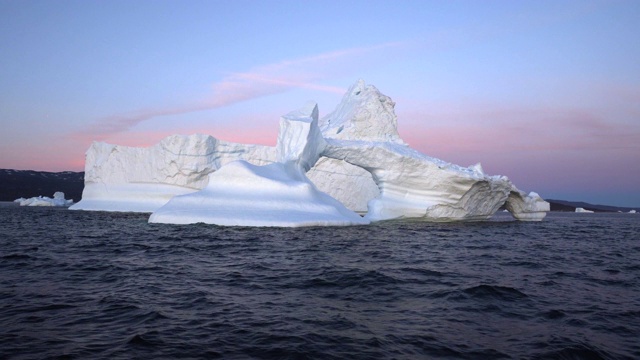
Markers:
518,129
255,131
304,73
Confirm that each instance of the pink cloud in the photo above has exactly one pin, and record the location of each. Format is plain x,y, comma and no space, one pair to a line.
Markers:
237,87
253,133
517,129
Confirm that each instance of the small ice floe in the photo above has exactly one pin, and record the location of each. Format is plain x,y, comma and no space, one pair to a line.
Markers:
58,200
583,210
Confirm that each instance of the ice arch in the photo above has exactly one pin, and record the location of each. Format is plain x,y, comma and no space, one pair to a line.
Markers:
351,185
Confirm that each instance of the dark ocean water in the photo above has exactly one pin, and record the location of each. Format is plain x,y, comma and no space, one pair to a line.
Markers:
78,285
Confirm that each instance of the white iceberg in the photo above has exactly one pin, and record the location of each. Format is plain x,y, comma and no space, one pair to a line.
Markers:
583,210
58,200
632,211
354,160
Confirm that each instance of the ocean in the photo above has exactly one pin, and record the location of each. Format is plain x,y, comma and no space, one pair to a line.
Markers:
96,285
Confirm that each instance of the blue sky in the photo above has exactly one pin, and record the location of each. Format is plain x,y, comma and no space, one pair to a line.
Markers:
545,92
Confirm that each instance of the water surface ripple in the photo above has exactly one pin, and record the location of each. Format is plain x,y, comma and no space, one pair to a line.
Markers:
77,285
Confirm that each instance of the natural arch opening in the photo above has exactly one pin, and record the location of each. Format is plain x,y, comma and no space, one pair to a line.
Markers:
352,185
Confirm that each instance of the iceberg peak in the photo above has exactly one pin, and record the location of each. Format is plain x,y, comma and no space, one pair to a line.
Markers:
364,114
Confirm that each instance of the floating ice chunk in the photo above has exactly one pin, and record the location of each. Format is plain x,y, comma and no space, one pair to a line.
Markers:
58,200
583,210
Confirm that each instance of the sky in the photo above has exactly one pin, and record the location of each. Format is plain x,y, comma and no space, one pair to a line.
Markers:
544,92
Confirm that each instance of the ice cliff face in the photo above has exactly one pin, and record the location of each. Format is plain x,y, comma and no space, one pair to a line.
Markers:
413,185
354,155
122,178
300,141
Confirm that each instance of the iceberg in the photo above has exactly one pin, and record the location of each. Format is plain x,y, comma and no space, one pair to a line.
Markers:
583,210
58,200
321,172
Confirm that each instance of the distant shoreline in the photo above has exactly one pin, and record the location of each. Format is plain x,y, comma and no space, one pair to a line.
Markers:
30,183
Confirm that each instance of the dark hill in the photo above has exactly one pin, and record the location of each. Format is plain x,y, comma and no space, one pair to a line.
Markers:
557,205
563,205
15,184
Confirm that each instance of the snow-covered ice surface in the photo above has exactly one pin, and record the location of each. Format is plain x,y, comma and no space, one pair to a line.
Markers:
243,194
57,200
278,194
353,155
